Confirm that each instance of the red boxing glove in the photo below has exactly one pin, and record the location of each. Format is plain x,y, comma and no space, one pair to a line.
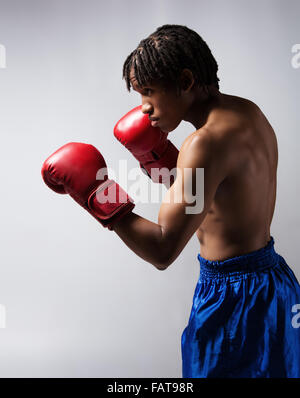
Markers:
80,170
149,145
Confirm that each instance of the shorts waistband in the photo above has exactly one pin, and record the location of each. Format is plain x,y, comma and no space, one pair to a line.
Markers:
257,260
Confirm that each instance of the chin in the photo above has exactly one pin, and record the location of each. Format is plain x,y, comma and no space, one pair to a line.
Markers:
168,129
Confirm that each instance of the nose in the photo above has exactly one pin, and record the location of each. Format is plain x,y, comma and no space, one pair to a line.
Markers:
147,108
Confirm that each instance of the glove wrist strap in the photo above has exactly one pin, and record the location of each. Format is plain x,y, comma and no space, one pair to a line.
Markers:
109,203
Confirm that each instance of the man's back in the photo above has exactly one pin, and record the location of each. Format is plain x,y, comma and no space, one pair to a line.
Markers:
240,216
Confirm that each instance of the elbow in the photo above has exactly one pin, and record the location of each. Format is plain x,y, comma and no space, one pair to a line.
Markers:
161,266
163,262
165,253
167,250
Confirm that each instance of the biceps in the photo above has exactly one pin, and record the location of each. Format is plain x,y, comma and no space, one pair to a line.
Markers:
180,214
187,202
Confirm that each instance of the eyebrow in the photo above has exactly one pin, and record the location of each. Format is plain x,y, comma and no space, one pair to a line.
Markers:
133,84
136,87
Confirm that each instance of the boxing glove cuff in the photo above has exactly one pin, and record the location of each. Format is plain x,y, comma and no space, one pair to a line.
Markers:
108,203
159,166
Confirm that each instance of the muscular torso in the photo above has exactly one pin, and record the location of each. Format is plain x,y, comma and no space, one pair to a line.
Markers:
239,219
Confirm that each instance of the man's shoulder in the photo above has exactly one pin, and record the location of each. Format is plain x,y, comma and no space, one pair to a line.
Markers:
230,99
197,149
225,130
233,119
209,137
197,139
235,113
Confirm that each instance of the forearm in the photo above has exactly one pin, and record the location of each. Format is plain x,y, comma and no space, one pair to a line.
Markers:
144,238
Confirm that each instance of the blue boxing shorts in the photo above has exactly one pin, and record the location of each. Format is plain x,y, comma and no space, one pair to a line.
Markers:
244,320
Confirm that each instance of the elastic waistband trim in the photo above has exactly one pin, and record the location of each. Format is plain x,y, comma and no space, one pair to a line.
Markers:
260,259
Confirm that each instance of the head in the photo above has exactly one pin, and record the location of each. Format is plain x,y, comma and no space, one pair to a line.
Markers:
167,69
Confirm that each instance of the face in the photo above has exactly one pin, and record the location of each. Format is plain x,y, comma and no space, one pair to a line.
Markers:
162,104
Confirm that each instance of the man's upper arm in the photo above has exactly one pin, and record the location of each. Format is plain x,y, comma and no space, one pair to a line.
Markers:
199,173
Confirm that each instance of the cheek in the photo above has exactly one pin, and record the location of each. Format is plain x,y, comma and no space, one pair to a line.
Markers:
175,115
167,107
170,109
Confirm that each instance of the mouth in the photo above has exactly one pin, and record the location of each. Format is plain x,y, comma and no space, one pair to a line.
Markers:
154,121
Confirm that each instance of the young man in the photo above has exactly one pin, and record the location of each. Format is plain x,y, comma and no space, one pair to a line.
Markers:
241,319
240,323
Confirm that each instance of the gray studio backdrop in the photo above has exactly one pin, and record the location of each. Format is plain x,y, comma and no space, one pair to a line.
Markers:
78,302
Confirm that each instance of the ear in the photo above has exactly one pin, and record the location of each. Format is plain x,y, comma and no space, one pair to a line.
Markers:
186,80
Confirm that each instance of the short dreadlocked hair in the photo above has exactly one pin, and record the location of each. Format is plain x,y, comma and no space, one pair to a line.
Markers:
166,52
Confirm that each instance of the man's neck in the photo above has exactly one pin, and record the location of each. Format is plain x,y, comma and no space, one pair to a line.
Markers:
204,101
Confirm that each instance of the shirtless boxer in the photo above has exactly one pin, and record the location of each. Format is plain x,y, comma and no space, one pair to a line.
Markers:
240,322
